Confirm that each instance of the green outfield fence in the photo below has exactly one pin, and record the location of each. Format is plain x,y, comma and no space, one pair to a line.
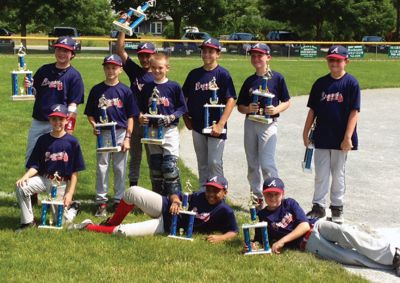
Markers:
175,47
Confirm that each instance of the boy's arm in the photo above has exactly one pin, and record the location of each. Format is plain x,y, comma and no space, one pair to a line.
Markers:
298,232
272,110
120,47
346,144
175,204
217,128
127,140
30,173
92,122
214,239
307,126
70,189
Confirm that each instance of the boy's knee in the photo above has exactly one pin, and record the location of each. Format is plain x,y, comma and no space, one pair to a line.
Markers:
131,194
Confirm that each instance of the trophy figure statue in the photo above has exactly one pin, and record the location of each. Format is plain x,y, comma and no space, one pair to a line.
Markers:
212,106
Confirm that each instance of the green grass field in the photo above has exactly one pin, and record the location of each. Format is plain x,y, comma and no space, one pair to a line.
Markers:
66,256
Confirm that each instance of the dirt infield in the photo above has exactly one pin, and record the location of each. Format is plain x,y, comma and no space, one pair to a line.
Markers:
372,173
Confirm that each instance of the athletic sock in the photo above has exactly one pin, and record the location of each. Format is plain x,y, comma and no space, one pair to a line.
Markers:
120,213
100,229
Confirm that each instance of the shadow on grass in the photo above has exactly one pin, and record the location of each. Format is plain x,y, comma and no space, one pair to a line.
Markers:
9,222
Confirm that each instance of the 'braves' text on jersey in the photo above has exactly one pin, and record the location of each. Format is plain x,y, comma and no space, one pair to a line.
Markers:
171,99
197,93
332,100
118,100
56,86
62,155
275,85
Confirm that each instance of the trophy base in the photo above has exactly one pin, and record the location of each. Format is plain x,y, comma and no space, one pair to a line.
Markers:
209,130
260,119
23,97
109,149
305,168
122,28
49,227
152,141
180,238
258,252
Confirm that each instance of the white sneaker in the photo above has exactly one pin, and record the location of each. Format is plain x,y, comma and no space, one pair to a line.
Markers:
80,226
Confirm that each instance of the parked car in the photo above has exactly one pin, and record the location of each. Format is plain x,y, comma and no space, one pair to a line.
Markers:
374,48
65,31
6,45
240,48
181,47
129,45
283,49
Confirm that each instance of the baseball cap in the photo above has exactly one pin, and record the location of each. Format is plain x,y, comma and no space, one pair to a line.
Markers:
273,185
218,182
338,52
261,48
211,43
65,42
59,110
113,59
146,47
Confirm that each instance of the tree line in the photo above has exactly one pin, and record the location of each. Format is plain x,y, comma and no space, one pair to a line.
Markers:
310,19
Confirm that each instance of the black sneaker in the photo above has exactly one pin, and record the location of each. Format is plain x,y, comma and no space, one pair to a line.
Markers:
25,226
73,210
133,183
101,210
105,222
317,212
337,214
396,262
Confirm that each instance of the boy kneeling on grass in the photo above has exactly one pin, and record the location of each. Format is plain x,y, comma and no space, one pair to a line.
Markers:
212,213
289,226
56,155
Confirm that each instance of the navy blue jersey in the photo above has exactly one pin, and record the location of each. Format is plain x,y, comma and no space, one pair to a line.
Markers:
332,101
282,221
209,218
197,94
276,85
171,99
118,99
56,86
138,76
62,155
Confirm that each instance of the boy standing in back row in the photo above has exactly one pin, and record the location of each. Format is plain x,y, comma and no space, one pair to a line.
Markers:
334,104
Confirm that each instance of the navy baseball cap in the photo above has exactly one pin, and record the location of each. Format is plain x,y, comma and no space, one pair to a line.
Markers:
211,43
59,110
338,52
261,48
273,185
218,182
113,59
65,42
146,47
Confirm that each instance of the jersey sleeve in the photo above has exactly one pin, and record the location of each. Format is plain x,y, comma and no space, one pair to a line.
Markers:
36,155
229,90
132,108
76,91
180,102
243,98
131,69
142,99
298,212
355,96
79,163
312,99
90,108
283,90
187,85
231,224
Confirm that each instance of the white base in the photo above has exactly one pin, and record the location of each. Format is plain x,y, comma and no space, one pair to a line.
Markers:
49,227
258,252
152,141
103,125
122,28
209,130
214,105
22,72
307,170
23,97
154,116
255,225
109,149
260,119
180,238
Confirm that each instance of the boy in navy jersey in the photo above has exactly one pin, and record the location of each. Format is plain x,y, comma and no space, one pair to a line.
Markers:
334,104
171,103
54,152
209,148
259,138
212,213
56,83
288,226
139,76
121,107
